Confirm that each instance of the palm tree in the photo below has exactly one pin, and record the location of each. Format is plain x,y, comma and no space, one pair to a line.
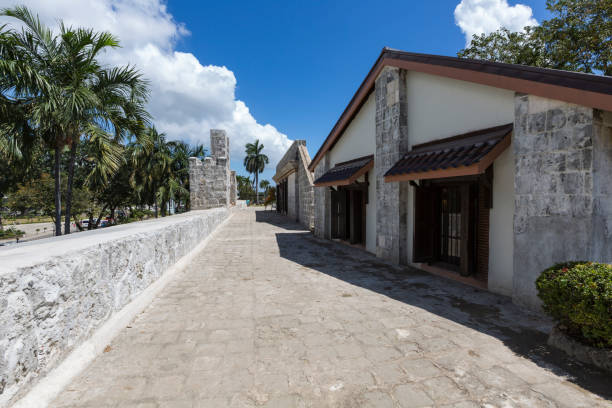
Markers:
150,162
181,152
264,184
255,162
30,111
85,100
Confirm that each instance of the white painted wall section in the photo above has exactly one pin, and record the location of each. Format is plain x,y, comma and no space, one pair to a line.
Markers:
501,225
359,138
441,107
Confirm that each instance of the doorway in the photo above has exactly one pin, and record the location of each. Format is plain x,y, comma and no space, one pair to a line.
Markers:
451,226
348,214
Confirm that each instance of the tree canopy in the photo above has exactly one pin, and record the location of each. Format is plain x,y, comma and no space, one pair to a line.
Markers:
578,37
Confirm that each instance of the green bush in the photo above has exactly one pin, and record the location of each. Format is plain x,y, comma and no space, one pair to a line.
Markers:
578,295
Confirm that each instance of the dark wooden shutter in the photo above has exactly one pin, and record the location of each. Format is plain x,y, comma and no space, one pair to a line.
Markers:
334,213
484,204
424,224
342,214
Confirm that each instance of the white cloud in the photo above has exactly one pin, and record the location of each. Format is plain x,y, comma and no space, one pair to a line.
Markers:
486,16
188,98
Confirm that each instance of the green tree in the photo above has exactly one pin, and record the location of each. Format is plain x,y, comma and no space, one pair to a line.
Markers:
245,187
75,96
578,37
255,162
264,185
181,152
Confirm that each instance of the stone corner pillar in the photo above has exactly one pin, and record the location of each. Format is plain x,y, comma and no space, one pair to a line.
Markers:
391,144
322,203
197,184
563,162
233,188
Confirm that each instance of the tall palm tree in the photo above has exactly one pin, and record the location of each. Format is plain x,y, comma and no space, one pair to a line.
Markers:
181,152
255,162
30,112
264,184
84,100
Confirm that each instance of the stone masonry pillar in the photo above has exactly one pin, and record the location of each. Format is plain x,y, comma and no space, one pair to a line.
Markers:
219,147
563,162
391,144
322,199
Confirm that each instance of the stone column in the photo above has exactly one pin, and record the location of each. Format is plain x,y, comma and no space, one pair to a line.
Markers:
197,184
391,144
322,203
602,187
233,188
219,147
563,167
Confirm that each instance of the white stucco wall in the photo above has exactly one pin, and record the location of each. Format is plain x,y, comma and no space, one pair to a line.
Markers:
501,225
441,107
291,210
359,138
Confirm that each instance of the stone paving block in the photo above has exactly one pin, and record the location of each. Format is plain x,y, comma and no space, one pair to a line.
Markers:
412,396
420,369
444,390
376,399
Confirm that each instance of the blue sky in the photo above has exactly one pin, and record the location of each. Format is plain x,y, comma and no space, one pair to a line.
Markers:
299,63
272,70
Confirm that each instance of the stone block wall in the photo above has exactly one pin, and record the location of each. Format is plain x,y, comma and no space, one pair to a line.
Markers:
233,188
305,181
210,179
391,144
322,203
294,167
54,293
563,168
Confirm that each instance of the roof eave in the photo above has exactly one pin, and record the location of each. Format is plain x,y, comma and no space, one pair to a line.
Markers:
547,90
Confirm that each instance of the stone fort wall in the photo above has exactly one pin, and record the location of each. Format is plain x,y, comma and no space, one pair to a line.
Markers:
211,182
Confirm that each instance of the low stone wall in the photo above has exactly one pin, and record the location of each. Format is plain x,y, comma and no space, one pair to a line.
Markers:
54,293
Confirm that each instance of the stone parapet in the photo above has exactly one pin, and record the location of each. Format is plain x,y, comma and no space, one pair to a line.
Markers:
55,292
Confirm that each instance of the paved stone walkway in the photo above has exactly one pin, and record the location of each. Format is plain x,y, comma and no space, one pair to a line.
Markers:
270,316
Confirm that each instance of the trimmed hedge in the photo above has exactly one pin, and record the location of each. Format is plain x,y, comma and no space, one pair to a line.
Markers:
578,295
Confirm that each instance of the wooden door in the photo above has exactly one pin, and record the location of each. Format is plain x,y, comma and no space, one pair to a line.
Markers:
357,219
424,225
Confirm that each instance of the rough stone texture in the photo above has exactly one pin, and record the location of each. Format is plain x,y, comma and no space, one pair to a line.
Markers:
601,358
322,203
296,161
260,320
391,144
210,179
55,292
563,193
233,188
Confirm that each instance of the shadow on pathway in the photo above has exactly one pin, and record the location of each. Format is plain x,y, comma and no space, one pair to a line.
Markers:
525,333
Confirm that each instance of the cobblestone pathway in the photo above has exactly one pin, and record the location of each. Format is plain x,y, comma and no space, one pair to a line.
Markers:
270,316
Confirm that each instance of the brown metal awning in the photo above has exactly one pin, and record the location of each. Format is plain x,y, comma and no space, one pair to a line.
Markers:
462,155
346,173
